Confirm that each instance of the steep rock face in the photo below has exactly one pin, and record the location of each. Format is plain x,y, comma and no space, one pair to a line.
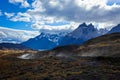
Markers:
115,29
83,33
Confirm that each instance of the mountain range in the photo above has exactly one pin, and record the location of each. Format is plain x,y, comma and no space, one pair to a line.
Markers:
46,41
12,46
102,46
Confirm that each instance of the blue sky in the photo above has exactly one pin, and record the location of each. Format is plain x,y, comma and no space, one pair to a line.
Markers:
111,2
57,14
5,6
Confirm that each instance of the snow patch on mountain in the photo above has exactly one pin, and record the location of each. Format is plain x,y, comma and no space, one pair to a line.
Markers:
44,41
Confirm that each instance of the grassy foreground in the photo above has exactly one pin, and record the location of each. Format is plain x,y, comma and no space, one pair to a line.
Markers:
52,68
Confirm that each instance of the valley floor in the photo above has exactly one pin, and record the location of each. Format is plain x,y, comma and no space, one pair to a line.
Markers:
52,68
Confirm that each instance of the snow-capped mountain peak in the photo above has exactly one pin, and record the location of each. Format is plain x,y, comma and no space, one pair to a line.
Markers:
44,41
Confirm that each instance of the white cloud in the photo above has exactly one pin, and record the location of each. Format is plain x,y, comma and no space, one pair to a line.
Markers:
37,5
23,3
91,3
15,36
74,11
9,15
55,29
21,17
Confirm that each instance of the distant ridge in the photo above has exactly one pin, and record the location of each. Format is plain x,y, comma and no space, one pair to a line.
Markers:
12,46
115,29
103,46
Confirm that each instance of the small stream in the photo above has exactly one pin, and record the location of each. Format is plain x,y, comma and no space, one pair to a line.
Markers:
26,56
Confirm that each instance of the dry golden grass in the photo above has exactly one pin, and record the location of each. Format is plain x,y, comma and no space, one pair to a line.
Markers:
54,69
16,52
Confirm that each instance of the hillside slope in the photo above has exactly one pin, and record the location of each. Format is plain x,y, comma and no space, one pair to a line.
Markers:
105,46
64,63
10,49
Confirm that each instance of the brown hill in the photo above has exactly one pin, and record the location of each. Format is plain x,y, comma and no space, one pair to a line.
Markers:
103,46
11,48
106,45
